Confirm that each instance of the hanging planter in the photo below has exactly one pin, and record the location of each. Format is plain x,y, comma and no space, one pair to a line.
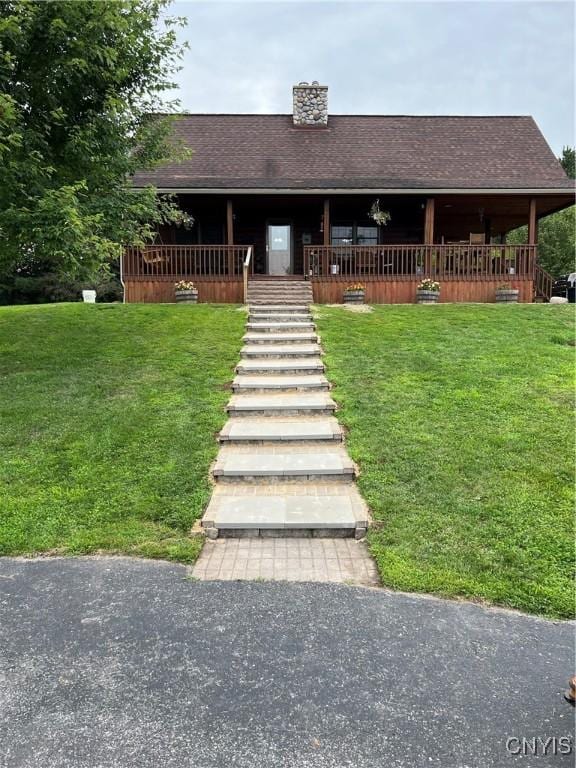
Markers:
354,294
378,215
428,292
186,292
505,294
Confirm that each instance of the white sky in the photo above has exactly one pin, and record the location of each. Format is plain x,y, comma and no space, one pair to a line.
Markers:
498,57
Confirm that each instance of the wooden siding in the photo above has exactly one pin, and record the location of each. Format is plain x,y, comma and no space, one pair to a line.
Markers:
330,290
209,291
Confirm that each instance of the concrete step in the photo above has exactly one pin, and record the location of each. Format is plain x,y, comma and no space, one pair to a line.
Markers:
278,280
280,338
279,317
272,327
280,350
278,430
295,294
291,287
329,463
303,509
280,299
279,292
292,366
285,309
282,404
277,301
279,285
279,383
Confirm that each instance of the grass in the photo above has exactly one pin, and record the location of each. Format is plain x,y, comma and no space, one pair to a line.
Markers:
461,420
109,415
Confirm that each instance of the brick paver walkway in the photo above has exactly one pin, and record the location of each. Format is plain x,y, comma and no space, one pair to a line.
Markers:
326,560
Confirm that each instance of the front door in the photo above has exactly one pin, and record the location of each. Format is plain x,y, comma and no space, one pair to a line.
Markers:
279,248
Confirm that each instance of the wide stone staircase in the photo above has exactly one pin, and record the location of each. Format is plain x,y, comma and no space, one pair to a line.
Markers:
282,468
279,292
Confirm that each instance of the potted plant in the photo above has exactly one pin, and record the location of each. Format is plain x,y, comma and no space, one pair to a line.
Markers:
378,215
505,293
354,294
428,292
186,292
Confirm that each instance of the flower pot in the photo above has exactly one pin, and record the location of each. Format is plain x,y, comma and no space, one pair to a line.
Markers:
505,295
427,297
187,297
354,297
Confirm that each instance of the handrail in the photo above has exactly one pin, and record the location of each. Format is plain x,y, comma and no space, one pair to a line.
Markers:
452,261
174,262
245,268
543,282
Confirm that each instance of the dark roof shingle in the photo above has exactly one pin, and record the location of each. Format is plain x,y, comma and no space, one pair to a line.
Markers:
360,151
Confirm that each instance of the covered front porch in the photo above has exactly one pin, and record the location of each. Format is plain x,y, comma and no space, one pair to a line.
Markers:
332,240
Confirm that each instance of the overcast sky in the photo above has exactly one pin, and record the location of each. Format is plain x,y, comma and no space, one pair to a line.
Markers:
499,57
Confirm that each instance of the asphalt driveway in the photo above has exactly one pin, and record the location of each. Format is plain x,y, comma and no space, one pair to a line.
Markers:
119,663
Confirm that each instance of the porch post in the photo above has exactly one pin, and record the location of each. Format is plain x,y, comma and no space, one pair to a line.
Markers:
326,221
532,236
229,223
230,235
532,223
326,224
428,234
429,222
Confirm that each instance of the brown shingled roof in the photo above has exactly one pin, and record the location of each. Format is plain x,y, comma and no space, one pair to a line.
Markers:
361,152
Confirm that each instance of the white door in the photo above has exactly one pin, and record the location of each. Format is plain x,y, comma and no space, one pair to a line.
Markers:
279,249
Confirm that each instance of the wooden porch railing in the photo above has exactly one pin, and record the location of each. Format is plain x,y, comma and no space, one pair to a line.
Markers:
543,282
157,262
246,269
456,261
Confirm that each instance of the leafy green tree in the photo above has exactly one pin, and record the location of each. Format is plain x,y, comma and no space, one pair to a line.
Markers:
78,81
568,161
557,232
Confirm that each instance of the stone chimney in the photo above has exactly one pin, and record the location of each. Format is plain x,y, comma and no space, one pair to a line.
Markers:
310,104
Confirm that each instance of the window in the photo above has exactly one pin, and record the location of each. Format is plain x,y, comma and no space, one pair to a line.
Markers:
367,235
342,235
354,234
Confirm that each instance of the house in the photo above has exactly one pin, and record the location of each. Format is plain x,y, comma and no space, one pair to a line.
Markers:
306,196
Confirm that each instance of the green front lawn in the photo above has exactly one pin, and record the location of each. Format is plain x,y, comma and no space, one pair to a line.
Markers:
461,420
109,415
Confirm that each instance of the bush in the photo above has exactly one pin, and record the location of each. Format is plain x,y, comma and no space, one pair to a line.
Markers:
50,288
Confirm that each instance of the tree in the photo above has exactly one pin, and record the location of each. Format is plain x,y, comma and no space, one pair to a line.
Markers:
78,82
557,232
568,161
